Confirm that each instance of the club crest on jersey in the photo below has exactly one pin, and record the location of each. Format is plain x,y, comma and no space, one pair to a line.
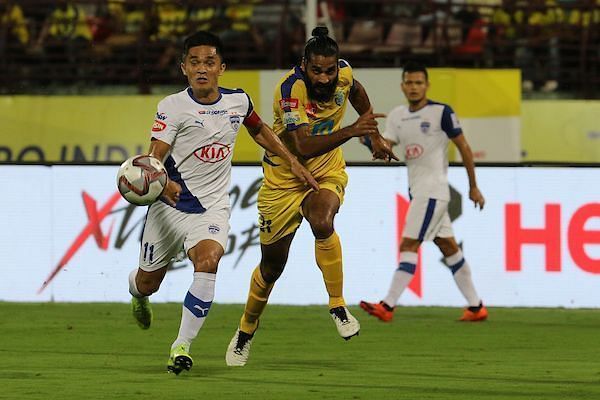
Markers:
158,126
214,229
213,153
235,121
311,110
339,97
425,125
161,116
413,151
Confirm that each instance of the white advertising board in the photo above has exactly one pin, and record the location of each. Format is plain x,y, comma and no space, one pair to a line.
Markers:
536,243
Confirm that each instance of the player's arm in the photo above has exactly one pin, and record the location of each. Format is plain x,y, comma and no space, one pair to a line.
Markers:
380,148
159,149
467,156
264,136
307,145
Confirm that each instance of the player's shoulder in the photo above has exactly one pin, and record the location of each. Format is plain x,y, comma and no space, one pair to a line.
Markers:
437,105
398,111
292,81
173,102
292,77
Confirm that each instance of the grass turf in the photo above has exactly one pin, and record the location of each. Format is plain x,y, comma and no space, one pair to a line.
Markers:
95,351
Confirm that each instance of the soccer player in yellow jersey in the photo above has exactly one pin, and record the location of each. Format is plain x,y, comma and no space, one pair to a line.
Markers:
309,105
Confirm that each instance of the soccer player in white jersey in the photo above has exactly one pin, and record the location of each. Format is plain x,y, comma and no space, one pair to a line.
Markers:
423,130
194,134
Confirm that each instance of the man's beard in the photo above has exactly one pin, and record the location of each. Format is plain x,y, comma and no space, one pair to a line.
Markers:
321,92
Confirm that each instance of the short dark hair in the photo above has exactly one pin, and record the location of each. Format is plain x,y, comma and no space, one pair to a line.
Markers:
321,44
202,38
415,66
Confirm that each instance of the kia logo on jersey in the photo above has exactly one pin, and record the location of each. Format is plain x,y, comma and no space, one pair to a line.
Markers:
413,151
158,126
213,152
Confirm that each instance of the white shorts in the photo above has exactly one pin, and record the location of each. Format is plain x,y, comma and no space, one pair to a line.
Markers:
167,231
427,219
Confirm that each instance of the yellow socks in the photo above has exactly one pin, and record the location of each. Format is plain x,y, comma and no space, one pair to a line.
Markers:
257,300
328,253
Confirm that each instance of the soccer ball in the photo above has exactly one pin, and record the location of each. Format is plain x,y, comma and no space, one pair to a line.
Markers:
141,180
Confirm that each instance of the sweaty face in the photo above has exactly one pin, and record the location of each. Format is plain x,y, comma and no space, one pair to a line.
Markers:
322,77
414,86
202,66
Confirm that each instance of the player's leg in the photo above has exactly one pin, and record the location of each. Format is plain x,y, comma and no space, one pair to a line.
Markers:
422,218
160,242
320,209
279,218
461,271
205,244
273,259
141,285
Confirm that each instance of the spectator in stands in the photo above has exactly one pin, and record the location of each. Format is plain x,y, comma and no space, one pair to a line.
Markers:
64,40
239,34
537,52
14,33
503,34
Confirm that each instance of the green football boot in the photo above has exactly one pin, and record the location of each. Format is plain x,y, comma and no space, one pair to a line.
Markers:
180,359
142,312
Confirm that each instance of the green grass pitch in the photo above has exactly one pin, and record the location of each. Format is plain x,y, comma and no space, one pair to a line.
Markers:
95,351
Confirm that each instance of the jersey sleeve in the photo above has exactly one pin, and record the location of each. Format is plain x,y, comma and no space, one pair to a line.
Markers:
392,127
165,126
450,123
292,100
346,70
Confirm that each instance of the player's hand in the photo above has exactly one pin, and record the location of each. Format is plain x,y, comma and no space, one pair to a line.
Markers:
366,124
477,198
382,150
304,175
171,192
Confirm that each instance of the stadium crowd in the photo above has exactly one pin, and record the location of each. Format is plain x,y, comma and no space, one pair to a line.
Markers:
556,43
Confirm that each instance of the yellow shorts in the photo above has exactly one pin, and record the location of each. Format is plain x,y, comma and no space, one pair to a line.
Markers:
280,211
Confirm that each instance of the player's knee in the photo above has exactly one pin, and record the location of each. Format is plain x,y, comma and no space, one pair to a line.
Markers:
446,246
409,244
271,270
206,264
322,228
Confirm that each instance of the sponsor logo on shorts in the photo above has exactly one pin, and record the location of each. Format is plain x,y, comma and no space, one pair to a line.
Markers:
288,103
214,229
161,116
413,151
158,126
213,152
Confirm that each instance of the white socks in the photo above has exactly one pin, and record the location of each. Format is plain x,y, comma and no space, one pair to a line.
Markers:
462,276
402,277
195,307
132,286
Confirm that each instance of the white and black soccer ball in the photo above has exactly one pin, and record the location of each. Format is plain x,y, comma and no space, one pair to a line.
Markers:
141,180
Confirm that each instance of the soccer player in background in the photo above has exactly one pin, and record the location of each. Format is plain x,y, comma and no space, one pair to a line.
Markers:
309,104
422,129
194,134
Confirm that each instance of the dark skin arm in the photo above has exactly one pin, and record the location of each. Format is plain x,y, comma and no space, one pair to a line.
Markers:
159,150
361,103
268,140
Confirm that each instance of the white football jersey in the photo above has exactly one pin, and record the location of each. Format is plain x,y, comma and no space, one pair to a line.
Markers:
202,138
423,137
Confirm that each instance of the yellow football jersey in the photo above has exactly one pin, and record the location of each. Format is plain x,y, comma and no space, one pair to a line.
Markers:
292,108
